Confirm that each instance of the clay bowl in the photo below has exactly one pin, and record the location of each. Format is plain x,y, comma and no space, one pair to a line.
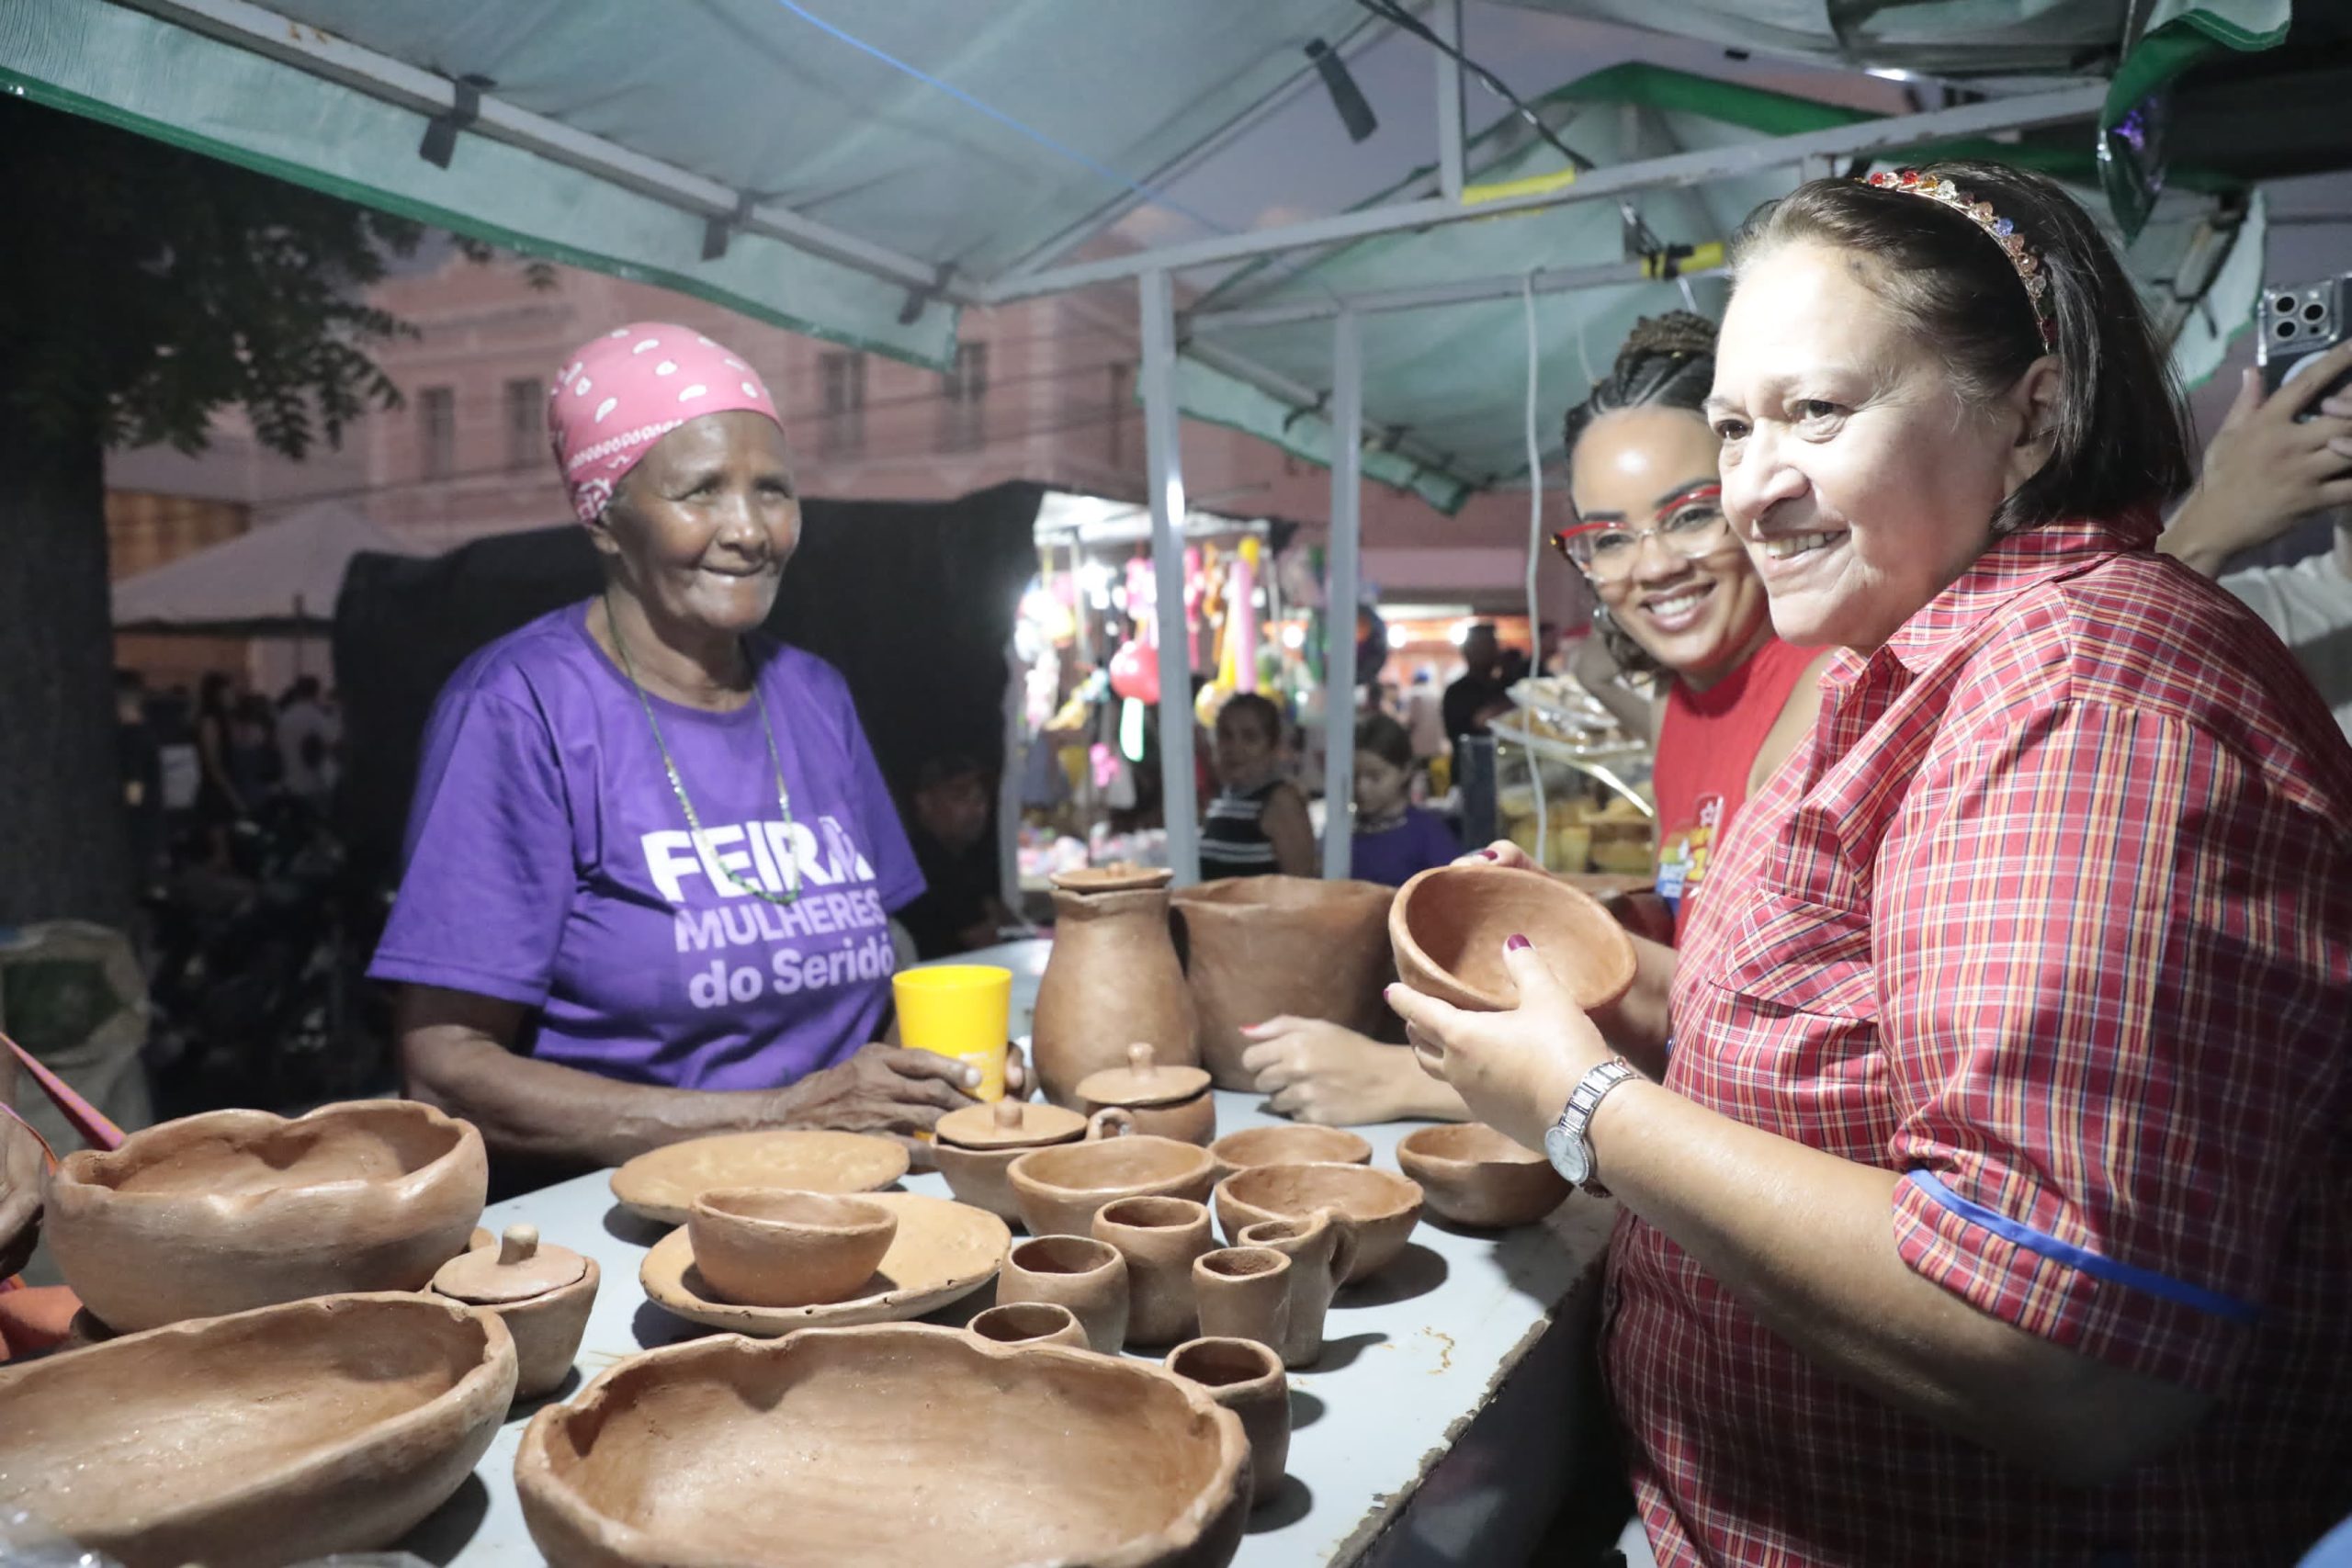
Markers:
1059,1190
975,1147
1296,1143
267,1437
1380,1206
898,1444
1474,1176
661,1184
1449,924
770,1247
1029,1323
235,1209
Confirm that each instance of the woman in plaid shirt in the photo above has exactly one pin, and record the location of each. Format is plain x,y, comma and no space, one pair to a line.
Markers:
1985,1179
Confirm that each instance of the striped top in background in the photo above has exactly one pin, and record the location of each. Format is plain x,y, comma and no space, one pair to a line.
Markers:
1233,840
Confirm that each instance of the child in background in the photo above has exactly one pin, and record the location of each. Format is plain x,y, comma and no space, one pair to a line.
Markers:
1394,838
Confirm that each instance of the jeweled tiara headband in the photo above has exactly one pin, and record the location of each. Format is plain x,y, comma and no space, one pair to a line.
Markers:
2004,233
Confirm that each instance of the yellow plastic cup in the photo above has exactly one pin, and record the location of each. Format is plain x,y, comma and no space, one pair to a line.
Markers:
964,1010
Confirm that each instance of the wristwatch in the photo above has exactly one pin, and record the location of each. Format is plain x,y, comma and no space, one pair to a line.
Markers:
1567,1142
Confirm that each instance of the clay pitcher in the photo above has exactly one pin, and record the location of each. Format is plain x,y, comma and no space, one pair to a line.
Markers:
1321,1249
1111,981
1257,947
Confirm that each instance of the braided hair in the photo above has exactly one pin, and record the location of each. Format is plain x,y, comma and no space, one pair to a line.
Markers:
1667,362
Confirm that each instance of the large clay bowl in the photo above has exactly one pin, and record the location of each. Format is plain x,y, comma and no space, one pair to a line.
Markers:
663,1184
772,1246
1474,1176
1449,924
1298,1143
1380,1206
1257,947
1061,1188
268,1436
904,1446
235,1209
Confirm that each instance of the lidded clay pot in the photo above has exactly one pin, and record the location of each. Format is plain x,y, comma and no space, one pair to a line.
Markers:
235,1209
1449,924
1167,1102
1110,979
1259,947
542,1294
975,1147
1474,1176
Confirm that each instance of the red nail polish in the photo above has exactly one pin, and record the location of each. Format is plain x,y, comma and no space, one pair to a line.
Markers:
1488,854
1515,943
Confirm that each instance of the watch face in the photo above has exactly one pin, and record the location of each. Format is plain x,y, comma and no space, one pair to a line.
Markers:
1569,1155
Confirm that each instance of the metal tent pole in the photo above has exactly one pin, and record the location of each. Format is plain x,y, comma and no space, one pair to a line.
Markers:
1447,18
1340,598
1164,461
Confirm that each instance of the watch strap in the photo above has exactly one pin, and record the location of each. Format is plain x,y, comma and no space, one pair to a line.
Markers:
1575,1123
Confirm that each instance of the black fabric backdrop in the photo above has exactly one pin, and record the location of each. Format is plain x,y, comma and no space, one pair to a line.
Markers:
912,602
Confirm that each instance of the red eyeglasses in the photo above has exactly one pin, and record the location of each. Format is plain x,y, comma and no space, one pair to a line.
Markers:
1692,523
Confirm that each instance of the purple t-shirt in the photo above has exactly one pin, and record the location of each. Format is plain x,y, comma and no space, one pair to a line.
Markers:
1421,841
548,864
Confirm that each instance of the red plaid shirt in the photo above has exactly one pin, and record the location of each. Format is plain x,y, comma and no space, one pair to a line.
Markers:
2055,917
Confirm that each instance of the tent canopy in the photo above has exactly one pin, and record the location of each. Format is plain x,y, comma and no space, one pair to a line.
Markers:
282,577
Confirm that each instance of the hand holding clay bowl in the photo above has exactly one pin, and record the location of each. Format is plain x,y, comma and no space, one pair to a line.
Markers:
902,1443
235,1209
329,1425
1474,1176
1060,1189
1379,1206
1296,1144
774,1247
1449,924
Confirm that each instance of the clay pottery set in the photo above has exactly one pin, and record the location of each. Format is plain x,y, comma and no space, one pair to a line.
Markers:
1167,1102
663,1184
1379,1206
1474,1176
265,1437
1059,1190
1030,1323
1247,1379
895,1445
1295,1143
975,1147
235,1209
1112,979
542,1294
1243,1292
1159,1237
940,1252
1257,947
770,1247
1321,1248
1086,1276
1449,924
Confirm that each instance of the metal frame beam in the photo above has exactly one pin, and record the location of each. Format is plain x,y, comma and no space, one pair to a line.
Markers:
1217,356
1340,592
1549,280
266,32
1447,25
1864,137
1163,456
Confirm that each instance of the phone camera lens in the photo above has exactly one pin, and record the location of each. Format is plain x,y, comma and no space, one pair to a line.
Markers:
2284,304
2285,328
2315,312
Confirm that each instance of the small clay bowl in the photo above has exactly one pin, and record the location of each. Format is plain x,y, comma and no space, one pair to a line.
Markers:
1060,1189
1474,1176
772,1246
975,1147
1449,924
288,1433
1298,1143
235,1209
541,1293
899,1443
1380,1206
1165,1101
1029,1323
1087,1276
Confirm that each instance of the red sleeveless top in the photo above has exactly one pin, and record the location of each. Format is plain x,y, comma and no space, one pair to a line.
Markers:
1707,743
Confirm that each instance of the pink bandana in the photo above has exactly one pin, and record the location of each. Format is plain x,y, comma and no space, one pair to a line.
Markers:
625,390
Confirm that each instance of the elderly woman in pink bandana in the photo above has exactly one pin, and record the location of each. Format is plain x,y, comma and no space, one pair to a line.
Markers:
651,860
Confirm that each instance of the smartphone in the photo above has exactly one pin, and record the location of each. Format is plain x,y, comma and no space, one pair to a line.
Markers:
2294,324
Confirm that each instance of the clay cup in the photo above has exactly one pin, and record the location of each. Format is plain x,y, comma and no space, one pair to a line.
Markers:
1244,1293
1159,1238
1030,1323
774,1247
1247,1379
1321,1248
1087,1276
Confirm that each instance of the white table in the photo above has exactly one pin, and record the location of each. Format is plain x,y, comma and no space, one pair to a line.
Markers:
1441,1427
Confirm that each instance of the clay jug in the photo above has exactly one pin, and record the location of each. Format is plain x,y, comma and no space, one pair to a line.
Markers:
1111,981
1321,1248
1255,947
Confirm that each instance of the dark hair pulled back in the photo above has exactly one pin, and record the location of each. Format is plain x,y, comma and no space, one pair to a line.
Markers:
2119,435
1384,739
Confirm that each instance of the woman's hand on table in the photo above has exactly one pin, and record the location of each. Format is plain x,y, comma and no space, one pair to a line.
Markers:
20,1172
1515,1069
1321,1072
885,1089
